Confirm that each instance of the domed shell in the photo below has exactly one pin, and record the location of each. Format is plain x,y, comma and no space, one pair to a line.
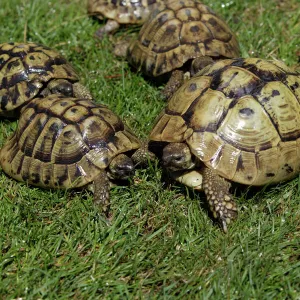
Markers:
177,32
240,117
24,70
64,142
123,11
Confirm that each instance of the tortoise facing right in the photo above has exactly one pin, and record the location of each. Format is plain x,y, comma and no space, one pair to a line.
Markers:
63,142
238,120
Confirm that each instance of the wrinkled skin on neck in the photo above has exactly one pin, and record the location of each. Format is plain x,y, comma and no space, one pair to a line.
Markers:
120,168
177,156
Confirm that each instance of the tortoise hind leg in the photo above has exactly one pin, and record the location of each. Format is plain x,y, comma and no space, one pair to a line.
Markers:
175,81
220,200
101,192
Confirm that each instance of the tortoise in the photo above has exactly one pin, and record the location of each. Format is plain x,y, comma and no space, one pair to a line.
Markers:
120,12
65,142
28,70
237,120
180,36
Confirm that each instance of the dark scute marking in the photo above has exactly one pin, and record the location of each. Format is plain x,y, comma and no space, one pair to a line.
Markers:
194,28
295,86
68,134
265,100
247,111
77,172
25,176
188,12
114,2
74,110
31,89
265,146
150,2
162,19
213,22
61,179
12,64
35,178
16,78
249,178
288,168
145,42
171,29
63,104
270,174
275,93
47,179
31,57
240,164
20,165
192,87
4,101
15,95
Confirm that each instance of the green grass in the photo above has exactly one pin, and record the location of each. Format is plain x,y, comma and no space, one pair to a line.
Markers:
160,242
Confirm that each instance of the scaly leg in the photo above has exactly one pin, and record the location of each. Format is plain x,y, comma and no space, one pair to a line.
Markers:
101,191
220,201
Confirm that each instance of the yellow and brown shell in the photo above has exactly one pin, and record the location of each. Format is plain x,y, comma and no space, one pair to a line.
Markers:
122,11
240,117
177,32
63,142
24,70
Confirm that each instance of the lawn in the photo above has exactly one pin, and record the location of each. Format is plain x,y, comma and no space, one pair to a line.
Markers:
160,243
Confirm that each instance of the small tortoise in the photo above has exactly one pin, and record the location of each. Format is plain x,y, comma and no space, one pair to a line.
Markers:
63,142
238,120
120,12
184,35
28,70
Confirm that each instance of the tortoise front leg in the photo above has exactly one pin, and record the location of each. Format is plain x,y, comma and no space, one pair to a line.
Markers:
220,200
101,191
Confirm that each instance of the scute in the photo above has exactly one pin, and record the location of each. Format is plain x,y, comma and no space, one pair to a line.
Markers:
240,117
178,31
25,68
56,147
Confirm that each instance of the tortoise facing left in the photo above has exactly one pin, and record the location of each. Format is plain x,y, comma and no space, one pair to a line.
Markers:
28,70
70,142
237,120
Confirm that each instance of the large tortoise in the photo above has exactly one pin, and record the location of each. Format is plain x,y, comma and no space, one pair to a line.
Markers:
63,142
238,120
185,35
120,12
28,70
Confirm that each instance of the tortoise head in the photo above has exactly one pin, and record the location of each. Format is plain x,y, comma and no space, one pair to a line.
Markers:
61,86
121,167
177,156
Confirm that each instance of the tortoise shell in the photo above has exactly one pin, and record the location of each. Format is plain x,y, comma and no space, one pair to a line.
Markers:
179,31
63,142
24,70
122,11
240,117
